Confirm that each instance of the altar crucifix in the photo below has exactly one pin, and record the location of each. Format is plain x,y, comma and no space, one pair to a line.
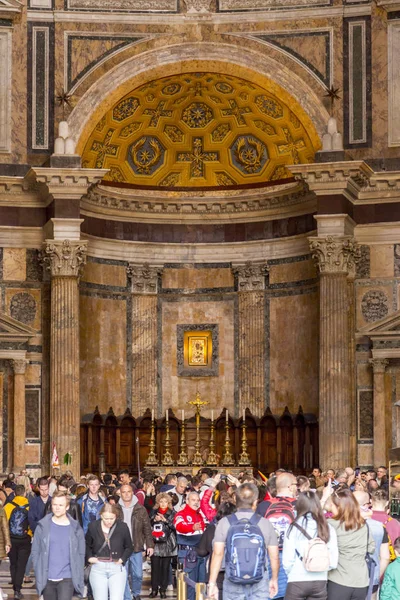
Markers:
198,403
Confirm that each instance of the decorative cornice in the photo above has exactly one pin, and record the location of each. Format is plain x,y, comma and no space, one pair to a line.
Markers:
10,9
250,276
66,183
157,206
144,278
389,5
334,254
197,6
19,366
379,364
354,179
347,177
64,258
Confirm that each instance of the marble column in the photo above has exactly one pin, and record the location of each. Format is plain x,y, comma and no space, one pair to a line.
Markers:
251,286
65,260
144,288
380,438
334,255
19,367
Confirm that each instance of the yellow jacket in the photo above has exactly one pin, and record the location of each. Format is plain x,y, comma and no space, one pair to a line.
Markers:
9,507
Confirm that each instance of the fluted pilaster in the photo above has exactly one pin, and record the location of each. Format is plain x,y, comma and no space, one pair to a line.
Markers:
19,461
335,256
251,286
144,287
380,438
65,260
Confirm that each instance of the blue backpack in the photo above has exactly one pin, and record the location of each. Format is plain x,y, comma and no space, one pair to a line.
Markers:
245,555
18,522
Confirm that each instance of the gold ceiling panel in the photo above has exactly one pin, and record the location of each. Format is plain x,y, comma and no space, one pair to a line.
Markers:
198,130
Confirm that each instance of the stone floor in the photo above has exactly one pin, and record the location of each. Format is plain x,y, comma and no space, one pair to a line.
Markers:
29,591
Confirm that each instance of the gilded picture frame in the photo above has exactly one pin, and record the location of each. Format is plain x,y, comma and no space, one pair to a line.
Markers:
197,350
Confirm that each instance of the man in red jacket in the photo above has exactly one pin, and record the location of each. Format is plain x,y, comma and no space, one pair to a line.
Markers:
189,524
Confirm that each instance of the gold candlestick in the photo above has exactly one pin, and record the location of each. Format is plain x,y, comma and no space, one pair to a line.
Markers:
197,459
227,459
152,457
212,459
244,458
183,458
167,459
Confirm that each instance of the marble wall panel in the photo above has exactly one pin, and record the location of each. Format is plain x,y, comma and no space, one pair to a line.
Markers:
382,260
5,88
393,82
364,374
25,305
2,411
32,454
32,411
295,271
103,353
177,391
312,48
193,279
85,50
14,264
365,455
40,87
104,274
294,331
33,374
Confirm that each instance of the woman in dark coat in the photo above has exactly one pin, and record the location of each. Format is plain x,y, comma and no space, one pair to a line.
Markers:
164,535
108,547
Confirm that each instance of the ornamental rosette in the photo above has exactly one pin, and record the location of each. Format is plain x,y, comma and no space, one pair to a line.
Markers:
335,254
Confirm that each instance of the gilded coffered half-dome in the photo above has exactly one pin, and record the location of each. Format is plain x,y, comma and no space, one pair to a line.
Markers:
199,130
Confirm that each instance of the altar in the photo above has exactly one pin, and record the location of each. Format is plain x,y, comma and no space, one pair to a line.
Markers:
111,442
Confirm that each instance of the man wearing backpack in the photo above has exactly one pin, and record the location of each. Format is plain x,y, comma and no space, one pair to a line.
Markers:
280,514
20,535
245,538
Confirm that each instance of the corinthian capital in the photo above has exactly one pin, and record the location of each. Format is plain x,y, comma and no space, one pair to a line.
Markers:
19,366
144,278
64,258
334,254
379,364
250,276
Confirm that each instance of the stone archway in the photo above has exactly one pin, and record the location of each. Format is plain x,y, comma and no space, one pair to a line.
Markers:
223,58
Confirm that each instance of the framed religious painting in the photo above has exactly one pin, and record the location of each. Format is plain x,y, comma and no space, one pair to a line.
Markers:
197,350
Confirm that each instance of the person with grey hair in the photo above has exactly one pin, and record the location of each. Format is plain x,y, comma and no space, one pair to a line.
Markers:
189,524
246,503
180,490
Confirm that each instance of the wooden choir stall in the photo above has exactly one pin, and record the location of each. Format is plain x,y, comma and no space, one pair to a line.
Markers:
112,442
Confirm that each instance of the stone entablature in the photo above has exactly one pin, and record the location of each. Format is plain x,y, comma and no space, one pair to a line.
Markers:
241,204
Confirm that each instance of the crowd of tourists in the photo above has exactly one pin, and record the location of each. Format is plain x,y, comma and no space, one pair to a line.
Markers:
327,536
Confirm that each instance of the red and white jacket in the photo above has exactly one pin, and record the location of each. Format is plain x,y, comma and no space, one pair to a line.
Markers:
184,521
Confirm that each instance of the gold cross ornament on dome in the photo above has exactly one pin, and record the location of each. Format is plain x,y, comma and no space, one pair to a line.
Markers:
200,129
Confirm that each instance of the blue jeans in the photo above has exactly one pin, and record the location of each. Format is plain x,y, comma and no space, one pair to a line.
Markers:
196,574
107,578
256,591
134,568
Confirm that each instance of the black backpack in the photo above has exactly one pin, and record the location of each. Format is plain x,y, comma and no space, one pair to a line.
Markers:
18,521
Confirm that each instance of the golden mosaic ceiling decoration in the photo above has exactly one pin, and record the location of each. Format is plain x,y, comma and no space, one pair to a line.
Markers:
198,130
